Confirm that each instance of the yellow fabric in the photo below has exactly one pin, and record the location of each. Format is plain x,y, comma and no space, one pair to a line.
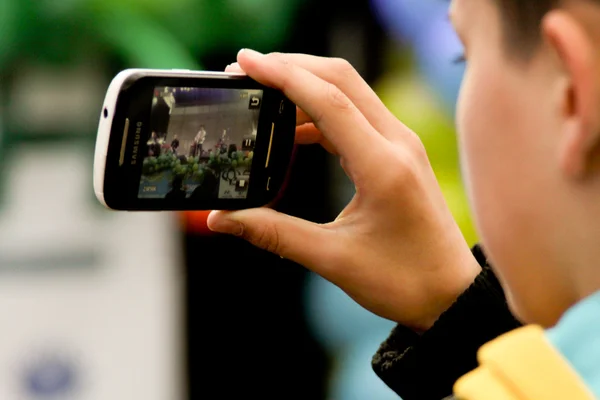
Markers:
521,365
482,384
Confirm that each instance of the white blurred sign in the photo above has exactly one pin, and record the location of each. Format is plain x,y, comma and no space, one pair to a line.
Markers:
90,304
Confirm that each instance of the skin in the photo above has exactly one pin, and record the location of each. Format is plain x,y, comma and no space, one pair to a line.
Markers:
402,257
529,139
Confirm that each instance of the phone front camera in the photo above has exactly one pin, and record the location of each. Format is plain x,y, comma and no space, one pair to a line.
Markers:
105,112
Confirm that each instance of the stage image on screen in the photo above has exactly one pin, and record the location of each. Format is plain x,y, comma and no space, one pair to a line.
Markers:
202,143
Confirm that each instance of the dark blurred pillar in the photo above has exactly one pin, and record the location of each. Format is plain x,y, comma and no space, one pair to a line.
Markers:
247,332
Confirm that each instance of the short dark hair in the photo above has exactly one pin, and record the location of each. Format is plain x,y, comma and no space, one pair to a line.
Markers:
521,20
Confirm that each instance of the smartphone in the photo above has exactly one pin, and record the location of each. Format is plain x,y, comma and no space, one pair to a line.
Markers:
191,140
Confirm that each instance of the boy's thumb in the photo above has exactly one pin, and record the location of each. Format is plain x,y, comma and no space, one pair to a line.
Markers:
289,237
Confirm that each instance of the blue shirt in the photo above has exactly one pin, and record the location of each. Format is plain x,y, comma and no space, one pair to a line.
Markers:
577,338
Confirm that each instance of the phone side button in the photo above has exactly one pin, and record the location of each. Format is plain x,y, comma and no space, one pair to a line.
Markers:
270,145
268,184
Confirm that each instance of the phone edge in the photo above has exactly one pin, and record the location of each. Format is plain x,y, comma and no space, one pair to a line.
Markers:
110,104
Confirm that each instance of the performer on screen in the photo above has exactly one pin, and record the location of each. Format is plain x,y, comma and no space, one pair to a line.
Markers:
199,141
222,143
174,144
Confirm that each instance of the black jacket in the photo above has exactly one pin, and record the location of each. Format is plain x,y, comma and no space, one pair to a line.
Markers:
425,367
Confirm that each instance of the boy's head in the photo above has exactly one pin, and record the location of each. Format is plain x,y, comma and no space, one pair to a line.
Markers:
529,131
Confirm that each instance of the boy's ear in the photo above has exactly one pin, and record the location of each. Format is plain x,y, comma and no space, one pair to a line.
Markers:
579,144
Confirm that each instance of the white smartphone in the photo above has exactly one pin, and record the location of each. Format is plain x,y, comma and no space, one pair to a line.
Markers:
191,140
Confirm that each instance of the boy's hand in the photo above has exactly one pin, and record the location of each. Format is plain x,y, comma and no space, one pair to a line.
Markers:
395,248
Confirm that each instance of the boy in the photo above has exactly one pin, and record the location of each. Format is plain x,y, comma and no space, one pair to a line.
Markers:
529,135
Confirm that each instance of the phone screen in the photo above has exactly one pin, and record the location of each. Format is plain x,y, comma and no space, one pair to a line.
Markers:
201,144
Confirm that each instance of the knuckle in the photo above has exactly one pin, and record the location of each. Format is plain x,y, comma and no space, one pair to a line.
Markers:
343,67
411,145
410,140
287,72
336,98
414,145
279,57
403,172
267,238
417,149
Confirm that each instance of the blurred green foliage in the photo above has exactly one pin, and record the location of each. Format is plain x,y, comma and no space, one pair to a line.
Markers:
108,34
142,33
179,33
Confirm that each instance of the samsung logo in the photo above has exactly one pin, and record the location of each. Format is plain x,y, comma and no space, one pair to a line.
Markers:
136,143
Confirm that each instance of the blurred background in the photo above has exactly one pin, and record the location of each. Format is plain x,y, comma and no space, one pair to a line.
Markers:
100,305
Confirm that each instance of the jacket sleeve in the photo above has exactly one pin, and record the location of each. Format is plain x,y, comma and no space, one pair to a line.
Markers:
425,367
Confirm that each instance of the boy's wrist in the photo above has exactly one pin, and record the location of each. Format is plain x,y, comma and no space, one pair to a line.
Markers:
426,366
460,277
449,294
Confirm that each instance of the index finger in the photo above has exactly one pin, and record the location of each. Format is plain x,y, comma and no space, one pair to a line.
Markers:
332,112
301,117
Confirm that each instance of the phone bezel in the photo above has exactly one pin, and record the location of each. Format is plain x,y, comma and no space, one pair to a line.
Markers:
120,186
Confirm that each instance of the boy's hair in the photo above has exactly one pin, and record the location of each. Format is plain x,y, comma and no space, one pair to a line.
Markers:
521,23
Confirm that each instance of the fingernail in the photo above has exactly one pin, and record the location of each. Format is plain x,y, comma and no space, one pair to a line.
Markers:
226,225
250,53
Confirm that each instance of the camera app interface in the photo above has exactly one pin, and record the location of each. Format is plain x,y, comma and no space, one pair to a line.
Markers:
202,143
